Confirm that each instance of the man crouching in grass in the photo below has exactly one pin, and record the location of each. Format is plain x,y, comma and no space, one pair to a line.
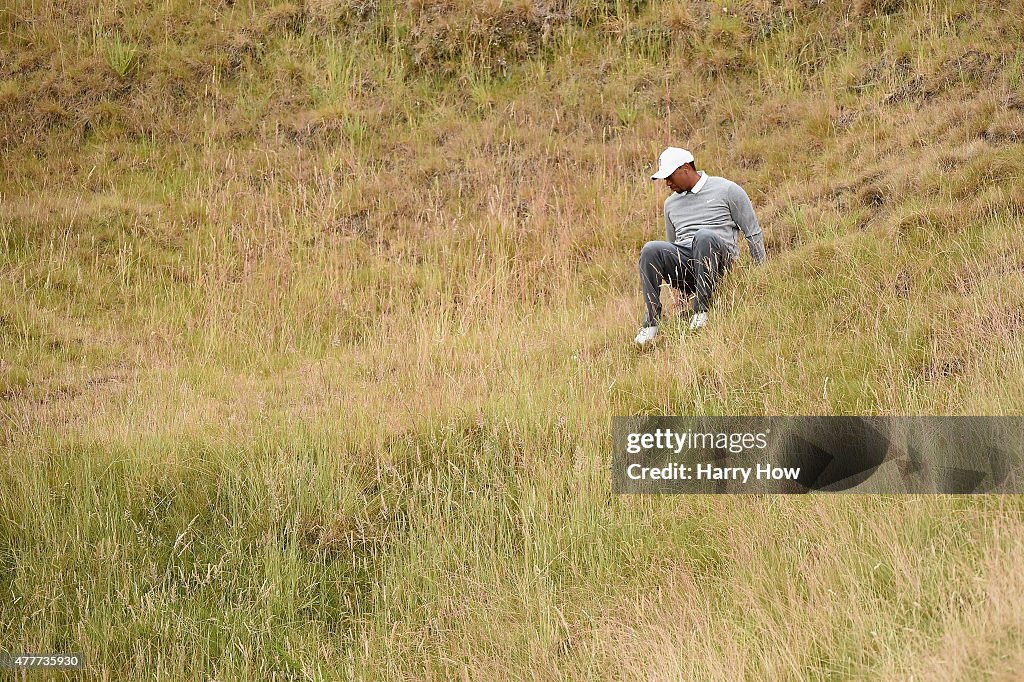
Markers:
703,215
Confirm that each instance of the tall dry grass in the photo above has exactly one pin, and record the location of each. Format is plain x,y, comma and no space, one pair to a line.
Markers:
315,317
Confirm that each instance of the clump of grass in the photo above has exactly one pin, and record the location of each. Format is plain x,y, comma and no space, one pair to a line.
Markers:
627,113
355,129
866,8
679,18
121,55
1015,72
490,38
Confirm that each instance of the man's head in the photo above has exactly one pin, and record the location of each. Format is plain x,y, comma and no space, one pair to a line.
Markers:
676,167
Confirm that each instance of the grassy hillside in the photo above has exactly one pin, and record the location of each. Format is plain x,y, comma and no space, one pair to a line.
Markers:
314,317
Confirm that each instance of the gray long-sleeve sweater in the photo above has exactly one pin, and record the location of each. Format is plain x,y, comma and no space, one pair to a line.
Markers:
717,204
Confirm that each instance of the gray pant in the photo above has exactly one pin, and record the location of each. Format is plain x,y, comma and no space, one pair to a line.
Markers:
695,268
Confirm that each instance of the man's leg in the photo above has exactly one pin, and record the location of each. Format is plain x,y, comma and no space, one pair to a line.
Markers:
710,259
660,261
687,284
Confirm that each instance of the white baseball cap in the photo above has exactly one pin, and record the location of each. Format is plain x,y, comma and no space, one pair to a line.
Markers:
670,159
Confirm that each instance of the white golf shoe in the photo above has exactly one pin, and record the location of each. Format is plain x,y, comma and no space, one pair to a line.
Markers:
646,335
698,321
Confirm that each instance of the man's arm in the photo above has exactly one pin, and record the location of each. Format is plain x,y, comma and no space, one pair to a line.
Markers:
743,213
670,230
